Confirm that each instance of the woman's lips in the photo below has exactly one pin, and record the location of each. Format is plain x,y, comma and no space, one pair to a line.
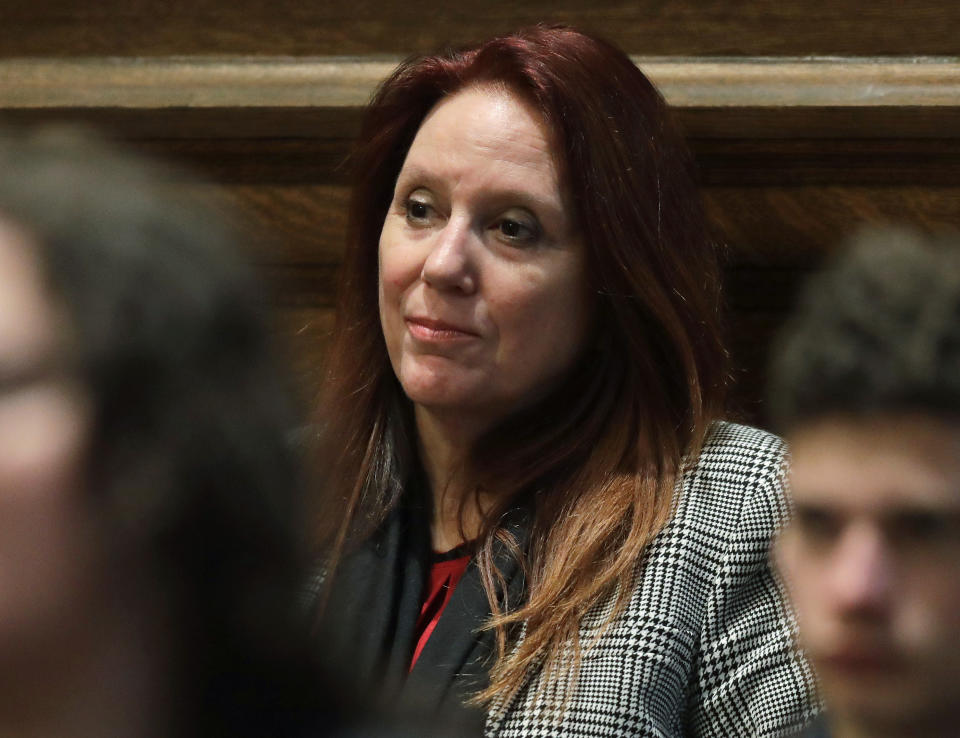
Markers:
429,329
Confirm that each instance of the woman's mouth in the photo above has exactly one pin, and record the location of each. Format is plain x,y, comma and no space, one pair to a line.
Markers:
430,329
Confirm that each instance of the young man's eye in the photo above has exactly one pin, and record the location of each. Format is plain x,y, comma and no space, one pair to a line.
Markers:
923,528
816,526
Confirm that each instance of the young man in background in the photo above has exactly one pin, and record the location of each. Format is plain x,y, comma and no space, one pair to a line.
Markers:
866,388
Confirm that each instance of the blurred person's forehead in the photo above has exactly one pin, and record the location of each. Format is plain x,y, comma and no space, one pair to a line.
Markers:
877,463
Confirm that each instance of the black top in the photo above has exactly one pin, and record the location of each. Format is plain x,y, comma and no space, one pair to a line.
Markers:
368,628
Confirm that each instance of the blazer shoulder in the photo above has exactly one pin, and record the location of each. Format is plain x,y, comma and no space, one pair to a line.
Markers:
742,447
738,479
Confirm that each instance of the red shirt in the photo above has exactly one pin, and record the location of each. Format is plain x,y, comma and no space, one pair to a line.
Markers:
445,572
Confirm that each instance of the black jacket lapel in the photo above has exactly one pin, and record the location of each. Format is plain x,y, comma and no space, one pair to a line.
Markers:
455,661
371,615
372,609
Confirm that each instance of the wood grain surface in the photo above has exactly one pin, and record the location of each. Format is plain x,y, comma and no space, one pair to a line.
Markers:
293,27
347,82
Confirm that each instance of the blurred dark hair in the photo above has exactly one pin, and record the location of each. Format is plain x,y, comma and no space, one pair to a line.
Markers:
606,445
877,332
189,467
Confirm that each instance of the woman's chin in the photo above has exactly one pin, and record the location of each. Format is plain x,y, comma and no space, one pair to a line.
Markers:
433,386
441,399
462,405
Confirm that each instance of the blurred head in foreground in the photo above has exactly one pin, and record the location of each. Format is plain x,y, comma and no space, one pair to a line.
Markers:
149,546
866,387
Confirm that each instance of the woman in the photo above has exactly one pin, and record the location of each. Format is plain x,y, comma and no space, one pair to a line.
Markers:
532,506
150,546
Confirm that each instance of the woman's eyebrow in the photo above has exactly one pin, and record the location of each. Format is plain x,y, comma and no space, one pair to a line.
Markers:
418,173
538,205
429,177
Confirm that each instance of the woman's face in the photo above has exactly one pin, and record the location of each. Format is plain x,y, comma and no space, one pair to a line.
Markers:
483,298
46,541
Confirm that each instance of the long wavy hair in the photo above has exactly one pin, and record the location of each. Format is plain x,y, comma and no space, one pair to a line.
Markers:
596,460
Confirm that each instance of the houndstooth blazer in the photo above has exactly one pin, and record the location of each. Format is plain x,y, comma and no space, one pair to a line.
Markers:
705,646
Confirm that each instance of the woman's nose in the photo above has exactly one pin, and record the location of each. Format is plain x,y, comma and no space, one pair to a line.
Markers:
450,263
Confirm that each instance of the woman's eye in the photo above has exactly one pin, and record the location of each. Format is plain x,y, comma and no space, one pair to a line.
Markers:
514,230
417,211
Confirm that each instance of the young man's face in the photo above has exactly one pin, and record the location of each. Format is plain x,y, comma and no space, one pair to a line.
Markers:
872,562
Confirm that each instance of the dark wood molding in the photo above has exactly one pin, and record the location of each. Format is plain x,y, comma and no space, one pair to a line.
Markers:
263,97
72,28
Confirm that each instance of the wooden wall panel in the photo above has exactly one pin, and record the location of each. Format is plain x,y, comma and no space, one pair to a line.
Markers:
750,337
289,224
792,227
295,27
303,334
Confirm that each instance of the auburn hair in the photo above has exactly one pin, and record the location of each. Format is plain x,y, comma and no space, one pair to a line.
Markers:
597,460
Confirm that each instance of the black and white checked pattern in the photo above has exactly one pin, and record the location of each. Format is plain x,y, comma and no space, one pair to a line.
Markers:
705,647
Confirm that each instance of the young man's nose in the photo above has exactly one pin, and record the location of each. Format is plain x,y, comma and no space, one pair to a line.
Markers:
862,570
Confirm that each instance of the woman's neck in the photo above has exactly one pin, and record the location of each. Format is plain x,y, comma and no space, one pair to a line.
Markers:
444,443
